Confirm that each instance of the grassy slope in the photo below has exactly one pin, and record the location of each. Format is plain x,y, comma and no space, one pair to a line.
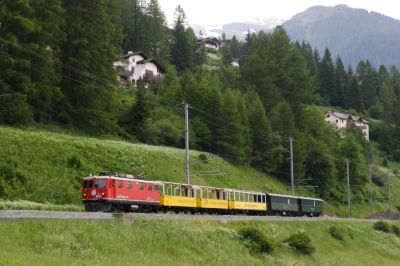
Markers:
186,243
44,158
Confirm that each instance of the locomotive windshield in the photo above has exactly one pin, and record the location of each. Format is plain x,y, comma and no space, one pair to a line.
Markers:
88,183
100,183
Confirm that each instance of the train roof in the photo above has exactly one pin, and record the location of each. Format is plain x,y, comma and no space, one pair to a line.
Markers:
295,197
123,178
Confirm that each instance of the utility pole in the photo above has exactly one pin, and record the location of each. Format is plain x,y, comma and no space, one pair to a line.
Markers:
348,188
291,164
187,175
390,196
371,203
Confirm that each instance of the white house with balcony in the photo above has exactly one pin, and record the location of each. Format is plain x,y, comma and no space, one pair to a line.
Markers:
340,121
133,67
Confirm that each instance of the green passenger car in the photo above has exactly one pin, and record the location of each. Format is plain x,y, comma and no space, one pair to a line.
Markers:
282,204
311,206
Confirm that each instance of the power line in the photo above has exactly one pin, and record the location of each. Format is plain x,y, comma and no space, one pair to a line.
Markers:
78,71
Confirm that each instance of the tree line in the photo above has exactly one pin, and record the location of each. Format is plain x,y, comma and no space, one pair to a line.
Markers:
56,65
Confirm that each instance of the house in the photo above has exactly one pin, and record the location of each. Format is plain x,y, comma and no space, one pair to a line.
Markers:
210,43
340,121
133,67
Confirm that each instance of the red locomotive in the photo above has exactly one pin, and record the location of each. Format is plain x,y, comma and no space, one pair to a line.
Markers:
107,192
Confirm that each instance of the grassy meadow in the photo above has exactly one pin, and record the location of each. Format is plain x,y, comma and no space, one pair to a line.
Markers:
156,242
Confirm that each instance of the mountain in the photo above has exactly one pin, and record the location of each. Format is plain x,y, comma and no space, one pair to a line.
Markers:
352,33
239,29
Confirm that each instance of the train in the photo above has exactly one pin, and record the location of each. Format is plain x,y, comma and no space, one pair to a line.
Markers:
110,192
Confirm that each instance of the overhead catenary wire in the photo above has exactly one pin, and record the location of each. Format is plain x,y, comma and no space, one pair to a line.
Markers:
84,73
172,103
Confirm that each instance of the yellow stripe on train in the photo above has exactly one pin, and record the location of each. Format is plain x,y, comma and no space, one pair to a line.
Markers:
212,204
177,201
239,205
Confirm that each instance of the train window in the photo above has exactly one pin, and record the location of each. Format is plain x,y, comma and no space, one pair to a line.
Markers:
149,187
141,186
100,183
156,188
88,184
129,185
119,183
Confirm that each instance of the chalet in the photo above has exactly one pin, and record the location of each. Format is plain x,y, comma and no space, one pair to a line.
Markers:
210,43
133,67
340,121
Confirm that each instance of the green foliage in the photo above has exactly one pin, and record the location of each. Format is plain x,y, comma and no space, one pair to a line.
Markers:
255,240
203,157
14,109
382,226
396,230
378,181
337,232
301,242
74,162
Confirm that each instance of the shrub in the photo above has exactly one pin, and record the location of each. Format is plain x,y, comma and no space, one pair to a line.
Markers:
74,162
255,240
377,181
396,230
382,226
203,157
301,242
336,232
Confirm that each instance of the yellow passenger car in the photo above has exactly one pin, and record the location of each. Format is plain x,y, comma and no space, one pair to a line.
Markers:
247,200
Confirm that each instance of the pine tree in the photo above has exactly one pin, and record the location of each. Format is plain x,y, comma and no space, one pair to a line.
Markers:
181,47
328,90
89,52
232,136
340,80
30,79
157,32
264,155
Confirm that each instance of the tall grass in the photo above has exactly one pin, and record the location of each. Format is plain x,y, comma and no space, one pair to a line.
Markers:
30,205
163,242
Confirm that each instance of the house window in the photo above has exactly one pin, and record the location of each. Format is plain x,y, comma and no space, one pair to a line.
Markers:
132,70
149,73
328,116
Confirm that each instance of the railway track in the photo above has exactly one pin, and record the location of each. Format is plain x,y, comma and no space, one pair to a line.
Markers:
33,214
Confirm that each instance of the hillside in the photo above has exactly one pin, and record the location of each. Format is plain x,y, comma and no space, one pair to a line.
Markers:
155,242
47,167
50,165
353,34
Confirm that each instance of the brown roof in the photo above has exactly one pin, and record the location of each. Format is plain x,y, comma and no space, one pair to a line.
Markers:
151,60
135,53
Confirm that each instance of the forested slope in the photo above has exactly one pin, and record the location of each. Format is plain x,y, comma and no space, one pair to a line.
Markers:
56,65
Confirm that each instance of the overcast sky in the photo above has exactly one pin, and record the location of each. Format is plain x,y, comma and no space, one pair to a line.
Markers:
223,11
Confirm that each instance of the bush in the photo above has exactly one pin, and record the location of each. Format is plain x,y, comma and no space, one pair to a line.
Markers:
377,181
301,242
336,232
14,109
203,157
74,162
382,226
396,230
255,240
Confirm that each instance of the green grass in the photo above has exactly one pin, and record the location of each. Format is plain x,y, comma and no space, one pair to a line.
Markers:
53,164
165,242
30,205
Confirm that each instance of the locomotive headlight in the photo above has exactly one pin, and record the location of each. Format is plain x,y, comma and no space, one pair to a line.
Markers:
84,194
102,193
